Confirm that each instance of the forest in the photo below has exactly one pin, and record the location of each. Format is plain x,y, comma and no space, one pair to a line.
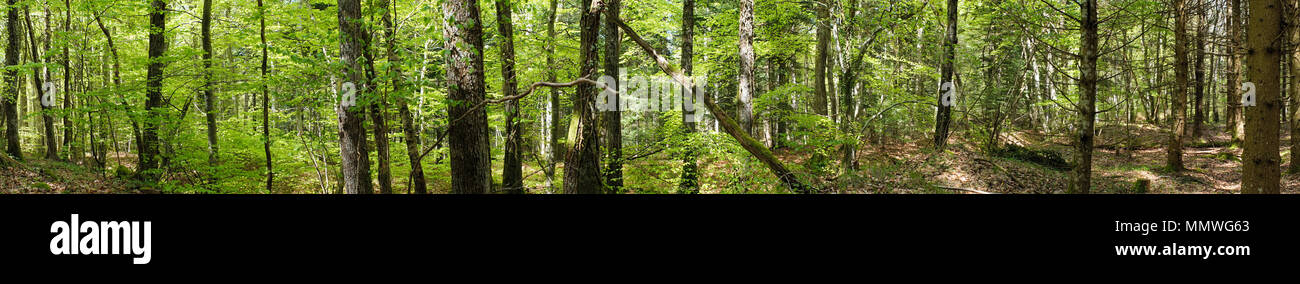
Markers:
650,96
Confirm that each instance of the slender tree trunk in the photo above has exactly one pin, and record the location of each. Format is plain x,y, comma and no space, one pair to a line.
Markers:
613,120
74,153
266,97
1178,109
209,98
47,108
1294,31
352,135
746,77
582,173
1082,177
470,168
1260,159
555,129
1198,116
1235,122
512,179
412,135
943,116
690,168
149,141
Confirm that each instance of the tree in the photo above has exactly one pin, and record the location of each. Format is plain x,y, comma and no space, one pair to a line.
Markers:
690,168
555,130
582,164
352,135
266,94
468,140
411,135
1178,109
823,56
1235,123
512,180
943,114
149,141
47,110
1294,31
1198,115
746,76
1260,171
10,96
209,99
613,119
1082,175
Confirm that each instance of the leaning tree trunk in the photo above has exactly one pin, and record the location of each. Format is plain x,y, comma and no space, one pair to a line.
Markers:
728,124
412,136
582,164
470,168
352,135
512,179
1260,160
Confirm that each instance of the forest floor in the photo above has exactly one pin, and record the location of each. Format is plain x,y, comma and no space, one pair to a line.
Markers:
1126,153
37,175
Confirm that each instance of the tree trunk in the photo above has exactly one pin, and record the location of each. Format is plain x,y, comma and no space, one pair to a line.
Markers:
412,136
746,76
1235,122
555,129
266,93
47,108
582,164
1178,108
613,120
512,179
728,124
823,45
74,153
153,91
1082,177
10,96
209,98
352,135
690,168
1260,159
470,165
1198,116
1295,89
943,116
